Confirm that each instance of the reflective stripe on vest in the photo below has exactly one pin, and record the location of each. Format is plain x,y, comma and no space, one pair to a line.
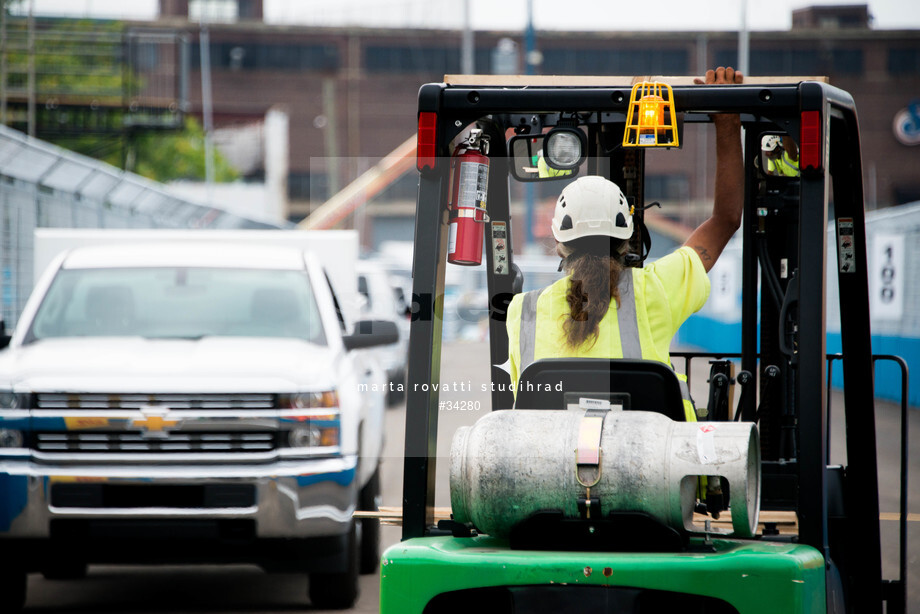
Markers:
627,320
684,389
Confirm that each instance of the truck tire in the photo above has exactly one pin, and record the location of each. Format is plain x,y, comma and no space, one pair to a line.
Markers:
12,589
370,527
65,570
337,591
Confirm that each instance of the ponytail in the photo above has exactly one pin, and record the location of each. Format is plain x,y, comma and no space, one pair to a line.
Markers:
595,275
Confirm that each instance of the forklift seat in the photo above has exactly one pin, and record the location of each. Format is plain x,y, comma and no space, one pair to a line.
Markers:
558,383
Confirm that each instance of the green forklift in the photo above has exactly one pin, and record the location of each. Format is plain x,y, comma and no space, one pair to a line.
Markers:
546,515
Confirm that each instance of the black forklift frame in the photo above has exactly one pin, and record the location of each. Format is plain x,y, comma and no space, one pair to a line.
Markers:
835,156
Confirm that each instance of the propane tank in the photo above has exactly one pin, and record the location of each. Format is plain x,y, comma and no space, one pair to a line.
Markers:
512,464
469,186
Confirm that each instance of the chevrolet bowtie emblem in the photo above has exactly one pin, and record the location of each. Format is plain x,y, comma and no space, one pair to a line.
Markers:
154,421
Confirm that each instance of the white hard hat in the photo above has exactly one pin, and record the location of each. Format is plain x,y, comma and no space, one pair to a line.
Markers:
592,206
770,142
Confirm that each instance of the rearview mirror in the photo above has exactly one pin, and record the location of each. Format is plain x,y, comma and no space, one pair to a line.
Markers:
529,164
779,156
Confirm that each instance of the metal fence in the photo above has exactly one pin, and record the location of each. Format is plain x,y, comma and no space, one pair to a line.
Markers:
44,186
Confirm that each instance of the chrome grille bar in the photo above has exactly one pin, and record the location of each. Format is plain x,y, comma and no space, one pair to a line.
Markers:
168,442
60,400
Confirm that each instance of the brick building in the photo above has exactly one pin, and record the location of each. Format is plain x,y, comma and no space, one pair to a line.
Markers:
351,92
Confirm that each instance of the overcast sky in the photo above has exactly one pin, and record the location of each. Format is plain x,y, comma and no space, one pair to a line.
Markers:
511,14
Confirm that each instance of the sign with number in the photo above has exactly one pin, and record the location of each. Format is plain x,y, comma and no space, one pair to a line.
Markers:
886,277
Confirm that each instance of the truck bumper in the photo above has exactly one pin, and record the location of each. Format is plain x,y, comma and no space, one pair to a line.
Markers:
283,500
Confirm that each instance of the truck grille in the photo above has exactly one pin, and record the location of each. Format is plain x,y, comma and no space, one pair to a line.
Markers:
126,442
53,400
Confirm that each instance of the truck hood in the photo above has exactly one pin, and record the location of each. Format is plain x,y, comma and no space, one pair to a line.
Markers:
169,365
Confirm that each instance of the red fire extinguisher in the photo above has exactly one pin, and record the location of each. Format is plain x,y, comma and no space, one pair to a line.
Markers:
469,185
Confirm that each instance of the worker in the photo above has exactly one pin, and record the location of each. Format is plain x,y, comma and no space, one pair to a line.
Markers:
604,309
782,156
545,170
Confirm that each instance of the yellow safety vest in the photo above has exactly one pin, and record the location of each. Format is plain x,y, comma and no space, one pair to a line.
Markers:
654,302
545,170
785,166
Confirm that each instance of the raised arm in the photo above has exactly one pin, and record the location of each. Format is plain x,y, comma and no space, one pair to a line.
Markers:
711,237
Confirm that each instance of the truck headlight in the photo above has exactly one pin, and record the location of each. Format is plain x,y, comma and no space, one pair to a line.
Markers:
10,438
12,400
318,434
313,429
309,400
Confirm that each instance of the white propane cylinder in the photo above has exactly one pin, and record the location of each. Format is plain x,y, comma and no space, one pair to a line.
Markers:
511,464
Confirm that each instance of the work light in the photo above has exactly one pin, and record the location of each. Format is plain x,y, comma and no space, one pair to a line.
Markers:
564,147
651,120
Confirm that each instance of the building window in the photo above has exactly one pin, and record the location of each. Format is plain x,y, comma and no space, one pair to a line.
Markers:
483,59
213,11
262,56
797,62
904,61
436,61
775,61
614,62
249,9
411,59
308,186
847,61
146,56
786,62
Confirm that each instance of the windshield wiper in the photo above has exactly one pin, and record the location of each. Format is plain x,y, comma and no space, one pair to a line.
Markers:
174,337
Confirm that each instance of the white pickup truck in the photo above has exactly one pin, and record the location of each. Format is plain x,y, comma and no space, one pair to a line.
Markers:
201,398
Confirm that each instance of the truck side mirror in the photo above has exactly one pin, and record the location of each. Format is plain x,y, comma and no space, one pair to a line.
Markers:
4,337
527,163
371,333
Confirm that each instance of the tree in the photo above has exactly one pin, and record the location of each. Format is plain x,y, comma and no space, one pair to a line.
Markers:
164,156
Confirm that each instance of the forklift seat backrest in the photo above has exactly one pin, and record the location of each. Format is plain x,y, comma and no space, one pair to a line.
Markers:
557,383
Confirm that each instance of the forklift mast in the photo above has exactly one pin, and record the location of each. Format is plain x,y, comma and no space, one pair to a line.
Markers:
784,289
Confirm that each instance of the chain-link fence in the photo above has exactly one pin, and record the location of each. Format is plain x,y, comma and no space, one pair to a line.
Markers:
43,186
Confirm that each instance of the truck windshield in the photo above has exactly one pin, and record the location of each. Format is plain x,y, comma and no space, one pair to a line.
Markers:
179,302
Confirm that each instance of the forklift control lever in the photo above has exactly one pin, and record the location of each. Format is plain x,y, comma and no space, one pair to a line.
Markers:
744,379
720,382
771,374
